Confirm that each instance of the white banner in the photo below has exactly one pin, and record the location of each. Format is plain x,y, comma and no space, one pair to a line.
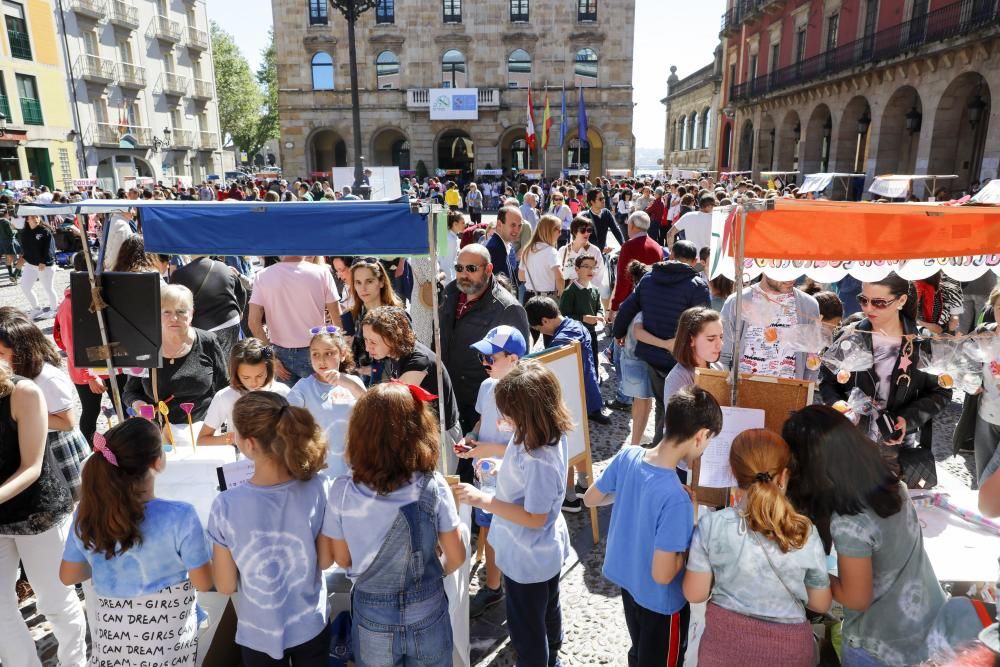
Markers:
454,103
384,181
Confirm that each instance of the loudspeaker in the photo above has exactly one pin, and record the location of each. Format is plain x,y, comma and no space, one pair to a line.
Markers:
132,320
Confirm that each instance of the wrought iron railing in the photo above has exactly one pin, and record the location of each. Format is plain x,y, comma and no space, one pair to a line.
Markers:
956,19
31,111
20,44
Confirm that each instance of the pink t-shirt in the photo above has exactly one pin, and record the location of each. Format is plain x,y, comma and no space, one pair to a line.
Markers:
294,297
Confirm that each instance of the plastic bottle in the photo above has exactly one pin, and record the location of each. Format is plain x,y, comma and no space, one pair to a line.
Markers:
487,477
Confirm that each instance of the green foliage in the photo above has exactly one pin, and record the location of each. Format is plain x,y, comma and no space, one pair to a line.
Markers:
248,109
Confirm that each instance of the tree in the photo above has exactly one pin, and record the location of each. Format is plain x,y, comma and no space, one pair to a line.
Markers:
239,95
267,76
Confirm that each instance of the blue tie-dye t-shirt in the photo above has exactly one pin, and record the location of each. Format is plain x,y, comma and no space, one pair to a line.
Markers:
271,533
173,542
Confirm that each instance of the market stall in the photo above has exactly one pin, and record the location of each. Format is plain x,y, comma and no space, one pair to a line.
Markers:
778,179
896,186
820,183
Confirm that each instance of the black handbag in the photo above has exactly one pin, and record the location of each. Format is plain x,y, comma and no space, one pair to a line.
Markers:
917,468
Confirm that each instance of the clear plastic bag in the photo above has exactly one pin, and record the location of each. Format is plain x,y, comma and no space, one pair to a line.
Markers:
846,356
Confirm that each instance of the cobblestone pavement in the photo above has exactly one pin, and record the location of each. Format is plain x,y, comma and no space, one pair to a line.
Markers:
593,623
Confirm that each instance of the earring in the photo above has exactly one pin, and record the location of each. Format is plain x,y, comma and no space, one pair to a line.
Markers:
899,308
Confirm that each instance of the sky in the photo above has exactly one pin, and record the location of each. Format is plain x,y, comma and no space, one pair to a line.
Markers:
668,32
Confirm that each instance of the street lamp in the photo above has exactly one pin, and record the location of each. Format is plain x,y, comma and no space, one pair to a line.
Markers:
351,10
864,121
975,108
797,131
3,124
913,120
160,144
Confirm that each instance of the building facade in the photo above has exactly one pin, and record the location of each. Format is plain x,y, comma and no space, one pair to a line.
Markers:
862,86
143,90
692,109
37,142
406,48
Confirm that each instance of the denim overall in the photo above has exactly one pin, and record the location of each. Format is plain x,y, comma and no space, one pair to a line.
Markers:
399,604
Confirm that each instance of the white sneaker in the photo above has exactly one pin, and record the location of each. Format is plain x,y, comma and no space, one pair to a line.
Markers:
35,314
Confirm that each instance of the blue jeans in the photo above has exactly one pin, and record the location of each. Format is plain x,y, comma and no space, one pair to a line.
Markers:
857,657
296,361
384,637
534,621
616,358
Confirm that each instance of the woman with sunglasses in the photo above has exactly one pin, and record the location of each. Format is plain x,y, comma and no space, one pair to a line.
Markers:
582,230
559,209
909,397
371,287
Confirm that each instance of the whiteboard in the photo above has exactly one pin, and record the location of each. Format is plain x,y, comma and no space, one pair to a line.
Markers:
567,364
384,181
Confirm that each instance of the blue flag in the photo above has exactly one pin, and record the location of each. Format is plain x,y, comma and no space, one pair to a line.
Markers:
582,122
563,124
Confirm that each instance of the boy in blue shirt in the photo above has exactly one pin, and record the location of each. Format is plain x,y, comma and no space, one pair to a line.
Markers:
651,526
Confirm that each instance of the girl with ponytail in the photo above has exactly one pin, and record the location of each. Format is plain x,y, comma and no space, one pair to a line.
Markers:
761,562
265,535
135,546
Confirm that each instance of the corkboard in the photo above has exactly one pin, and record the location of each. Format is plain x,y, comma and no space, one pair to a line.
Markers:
777,397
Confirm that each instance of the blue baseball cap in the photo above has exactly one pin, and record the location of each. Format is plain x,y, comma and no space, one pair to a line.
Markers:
503,338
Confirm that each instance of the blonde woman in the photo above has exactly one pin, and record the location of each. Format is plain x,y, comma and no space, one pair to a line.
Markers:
540,269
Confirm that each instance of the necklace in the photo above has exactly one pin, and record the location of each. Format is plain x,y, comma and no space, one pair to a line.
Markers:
172,356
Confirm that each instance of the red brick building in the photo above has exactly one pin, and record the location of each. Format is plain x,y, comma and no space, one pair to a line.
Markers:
865,86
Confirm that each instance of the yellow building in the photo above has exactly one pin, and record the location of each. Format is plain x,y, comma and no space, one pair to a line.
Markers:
38,141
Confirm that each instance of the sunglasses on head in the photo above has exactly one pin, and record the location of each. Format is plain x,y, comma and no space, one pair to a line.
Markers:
364,260
329,329
878,304
467,268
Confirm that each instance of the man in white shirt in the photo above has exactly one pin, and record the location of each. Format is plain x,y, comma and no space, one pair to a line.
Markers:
696,225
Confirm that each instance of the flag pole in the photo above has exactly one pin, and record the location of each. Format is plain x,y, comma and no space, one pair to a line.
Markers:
562,120
530,111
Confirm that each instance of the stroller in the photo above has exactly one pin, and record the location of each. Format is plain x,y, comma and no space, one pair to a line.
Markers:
67,243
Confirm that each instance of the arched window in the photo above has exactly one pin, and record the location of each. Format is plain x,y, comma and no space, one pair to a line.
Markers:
585,70
518,69
684,133
453,73
706,127
322,71
387,70
695,127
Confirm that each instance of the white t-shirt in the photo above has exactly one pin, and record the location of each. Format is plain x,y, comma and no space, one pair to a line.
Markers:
697,228
220,411
57,388
538,265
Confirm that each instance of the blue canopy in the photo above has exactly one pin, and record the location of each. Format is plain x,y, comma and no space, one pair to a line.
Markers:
358,227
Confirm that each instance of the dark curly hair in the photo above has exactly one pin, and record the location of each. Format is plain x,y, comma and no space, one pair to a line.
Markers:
393,325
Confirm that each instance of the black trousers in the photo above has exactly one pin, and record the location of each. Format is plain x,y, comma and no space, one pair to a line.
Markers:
657,377
534,621
658,640
90,406
313,653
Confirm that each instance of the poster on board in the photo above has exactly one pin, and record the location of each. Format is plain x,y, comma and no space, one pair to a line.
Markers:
454,104
384,181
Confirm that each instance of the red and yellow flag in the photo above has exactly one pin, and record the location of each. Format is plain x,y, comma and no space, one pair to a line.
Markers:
546,123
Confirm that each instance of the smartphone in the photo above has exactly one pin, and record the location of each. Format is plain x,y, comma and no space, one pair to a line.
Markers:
887,427
462,448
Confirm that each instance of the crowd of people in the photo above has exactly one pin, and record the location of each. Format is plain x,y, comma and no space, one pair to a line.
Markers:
323,372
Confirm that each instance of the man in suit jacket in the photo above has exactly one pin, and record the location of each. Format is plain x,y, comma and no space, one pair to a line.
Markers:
502,245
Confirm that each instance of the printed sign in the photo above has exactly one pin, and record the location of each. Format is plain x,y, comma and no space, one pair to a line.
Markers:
454,103
234,474
155,630
84,182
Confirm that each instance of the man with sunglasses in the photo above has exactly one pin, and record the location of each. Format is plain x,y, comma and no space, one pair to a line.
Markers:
473,304
782,305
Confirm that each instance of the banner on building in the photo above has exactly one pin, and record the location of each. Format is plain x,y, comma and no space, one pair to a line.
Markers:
84,183
454,104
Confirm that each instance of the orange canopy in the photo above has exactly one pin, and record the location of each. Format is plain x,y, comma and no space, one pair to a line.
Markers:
837,231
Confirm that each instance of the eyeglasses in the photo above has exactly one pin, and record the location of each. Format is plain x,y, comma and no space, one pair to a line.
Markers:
587,231
364,260
180,314
329,329
468,268
878,304
487,358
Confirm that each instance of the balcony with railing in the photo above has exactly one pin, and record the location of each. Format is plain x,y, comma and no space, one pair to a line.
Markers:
95,69
31,111
5,107
111,134
173,84
208,141
20,44
743,10
197,39
420,98
181,138
123,14
202,90
954,20
131,76
165,29
95,9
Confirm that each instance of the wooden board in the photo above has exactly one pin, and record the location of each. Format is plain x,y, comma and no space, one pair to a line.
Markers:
777,397
567,364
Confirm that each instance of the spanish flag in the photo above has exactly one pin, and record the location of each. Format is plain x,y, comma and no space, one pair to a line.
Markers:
546,123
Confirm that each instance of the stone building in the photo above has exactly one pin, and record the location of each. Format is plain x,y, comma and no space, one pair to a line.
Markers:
407,48
692,108
142,87
864,86
36,142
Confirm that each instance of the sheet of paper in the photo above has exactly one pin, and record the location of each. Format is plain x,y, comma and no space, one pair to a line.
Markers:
715,470
234,474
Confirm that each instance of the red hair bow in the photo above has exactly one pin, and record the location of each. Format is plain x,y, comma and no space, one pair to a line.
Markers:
418,393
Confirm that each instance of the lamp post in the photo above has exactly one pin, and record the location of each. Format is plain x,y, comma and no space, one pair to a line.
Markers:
913,120
3,124
351,10
864,122
975,109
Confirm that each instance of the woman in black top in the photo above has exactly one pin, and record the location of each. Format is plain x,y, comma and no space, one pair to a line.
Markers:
37,263
389,339
194,367
35,506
